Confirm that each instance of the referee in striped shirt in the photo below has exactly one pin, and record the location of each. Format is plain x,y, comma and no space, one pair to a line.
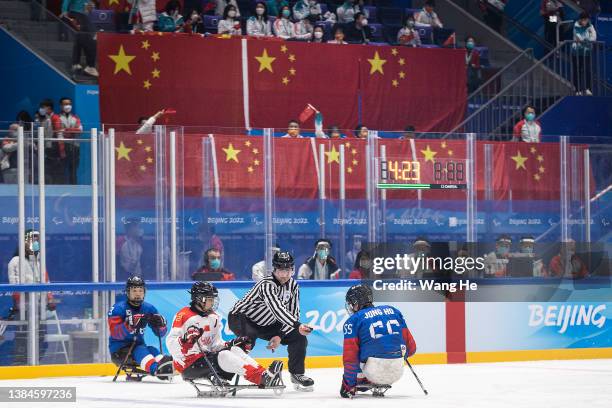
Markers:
271,311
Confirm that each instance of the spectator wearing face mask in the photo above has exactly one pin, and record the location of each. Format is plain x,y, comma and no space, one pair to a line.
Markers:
171,20
528,129
428,17
212,269
303,30
421,248
194,25
130,249
408,35
275,6
527,250
496,262
338,36
230,24
347,11
310,9
362,266
67,125
283,27
351,255
567,264
359,31
584,37
334,132
321,265
293,130
259,25
146,15
222,5
318,35
472,63
361,132
8,155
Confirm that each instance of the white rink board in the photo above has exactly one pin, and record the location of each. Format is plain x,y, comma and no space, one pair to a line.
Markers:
536,384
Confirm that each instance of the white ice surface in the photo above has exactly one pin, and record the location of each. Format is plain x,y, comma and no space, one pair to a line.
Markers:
539,384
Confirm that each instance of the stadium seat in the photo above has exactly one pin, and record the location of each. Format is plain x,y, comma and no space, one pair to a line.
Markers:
390,15
377,32
426,34
372,13
103,20
210,23
324,8
390,33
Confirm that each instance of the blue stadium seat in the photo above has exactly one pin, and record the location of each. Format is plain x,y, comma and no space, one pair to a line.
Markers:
390,33
324,8
372,13
390,15
103,20
426,34
210,23
377,32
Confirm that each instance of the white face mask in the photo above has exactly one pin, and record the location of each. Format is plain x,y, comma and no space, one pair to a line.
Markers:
67,108
259,11
42,111
231,13
364,22
318,35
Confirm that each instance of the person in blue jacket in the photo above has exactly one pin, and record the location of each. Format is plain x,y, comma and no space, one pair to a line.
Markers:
374,338
127,321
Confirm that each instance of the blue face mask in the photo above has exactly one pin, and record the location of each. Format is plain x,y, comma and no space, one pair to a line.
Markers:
35,246
469,45
527,250
215,264
322,254
530,116
286,13
503,250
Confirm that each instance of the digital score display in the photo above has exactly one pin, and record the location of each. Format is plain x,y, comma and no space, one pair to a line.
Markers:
446,174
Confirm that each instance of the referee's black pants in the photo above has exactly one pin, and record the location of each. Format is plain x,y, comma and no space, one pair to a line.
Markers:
295,342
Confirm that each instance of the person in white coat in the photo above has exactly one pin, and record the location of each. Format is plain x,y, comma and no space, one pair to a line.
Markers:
259,25
230,24
146,13
283,27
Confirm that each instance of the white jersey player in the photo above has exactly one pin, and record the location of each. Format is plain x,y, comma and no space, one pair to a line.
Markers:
195,337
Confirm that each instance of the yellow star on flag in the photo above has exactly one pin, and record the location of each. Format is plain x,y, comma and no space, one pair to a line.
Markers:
519,160
283,48
349,170
541,169
533,150
231,153
155,56
376,64
354,151
292,71
247,143
250,169
111,2
540,158
255,151
395,83
146,84
355,162
285,80
347,144
402,74
145,45
139,141
393,51
401,61
333,155
123,152
429,154
450,152
155,73
256,162
149,160
291,57
265,61
143,168
443,144
536,177
147,148
122,61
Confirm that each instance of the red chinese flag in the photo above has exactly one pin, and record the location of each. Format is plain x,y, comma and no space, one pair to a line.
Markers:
533,170
285,76
240,166
404,86
118,6
306,113
134,164
354,166
295,172
200,78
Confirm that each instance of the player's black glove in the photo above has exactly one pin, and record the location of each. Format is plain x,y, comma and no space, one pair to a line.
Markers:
243,342
192,335
346,391
137,321
156,320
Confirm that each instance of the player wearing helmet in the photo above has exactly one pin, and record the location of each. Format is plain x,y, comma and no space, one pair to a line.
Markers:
195,337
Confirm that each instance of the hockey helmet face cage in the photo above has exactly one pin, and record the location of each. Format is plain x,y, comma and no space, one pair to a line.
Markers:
205,296
135,290
358,297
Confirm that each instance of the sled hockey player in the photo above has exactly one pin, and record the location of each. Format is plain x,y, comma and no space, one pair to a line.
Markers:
199,351
127,321
374,337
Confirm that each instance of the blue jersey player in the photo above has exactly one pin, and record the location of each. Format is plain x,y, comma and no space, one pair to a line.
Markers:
374,337
127,321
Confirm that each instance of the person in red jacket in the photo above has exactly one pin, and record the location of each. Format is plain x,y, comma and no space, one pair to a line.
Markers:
67,125
567,263
362,267
212,269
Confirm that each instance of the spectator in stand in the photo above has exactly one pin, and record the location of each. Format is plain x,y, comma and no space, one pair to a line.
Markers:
493,13
307,9
428,17
146,15
146,125
584,37
283,27
222,5
258,270
552,13
42,118
338,36
567,263
8,155
408,133
230,24
259,25
212,269
194,25
130,249
351,256
54,167
275,6
362,266
303,29
359,31
408,35
318,35
67,125
472,62
321,265
335,133
528,129
77,12
171,20
348,10
496,262
361,132
293,130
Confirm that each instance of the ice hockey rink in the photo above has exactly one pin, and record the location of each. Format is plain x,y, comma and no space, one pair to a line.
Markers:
554,384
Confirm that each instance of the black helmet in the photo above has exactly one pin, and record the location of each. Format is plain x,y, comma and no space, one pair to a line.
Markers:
134,282
360,296
201,290
283,260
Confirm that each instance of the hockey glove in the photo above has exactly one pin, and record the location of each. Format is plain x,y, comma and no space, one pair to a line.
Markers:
156,320
346,391
243,342
136,321
192,335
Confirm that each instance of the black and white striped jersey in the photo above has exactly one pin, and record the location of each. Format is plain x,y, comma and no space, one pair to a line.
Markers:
269,302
